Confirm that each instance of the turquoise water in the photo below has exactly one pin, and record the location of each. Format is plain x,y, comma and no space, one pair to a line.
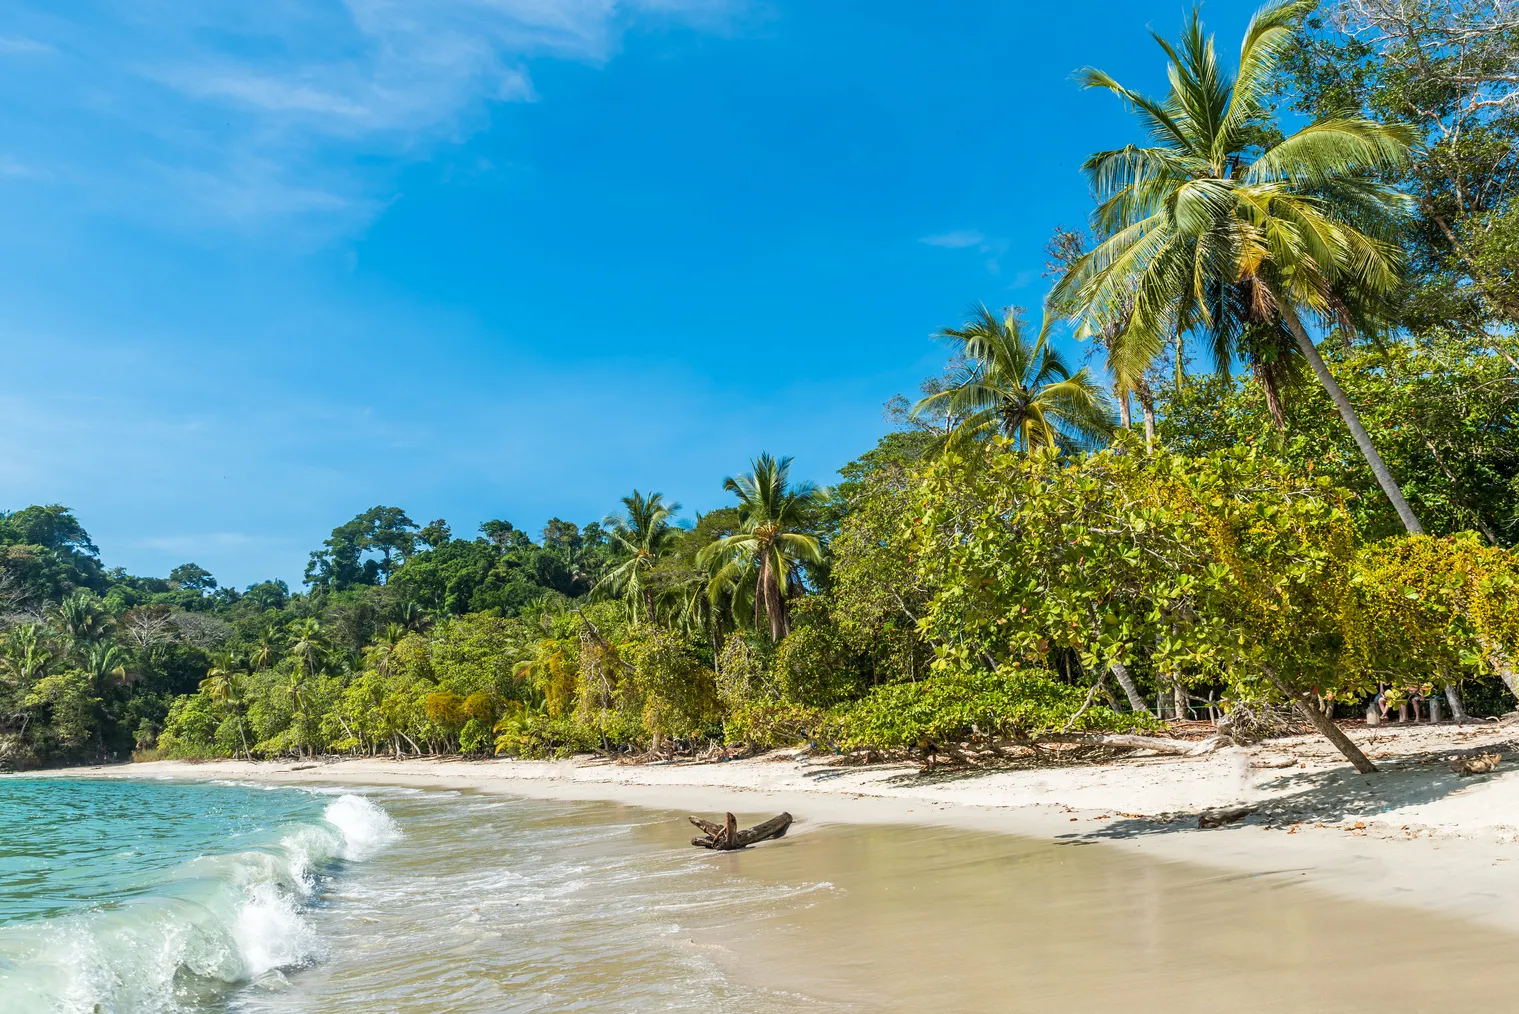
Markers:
154,897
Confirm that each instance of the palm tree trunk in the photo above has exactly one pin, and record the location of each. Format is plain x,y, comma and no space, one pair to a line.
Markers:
1348,413
1125,419
775,609
1130,690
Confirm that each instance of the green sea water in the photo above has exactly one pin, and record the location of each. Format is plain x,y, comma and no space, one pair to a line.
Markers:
154,897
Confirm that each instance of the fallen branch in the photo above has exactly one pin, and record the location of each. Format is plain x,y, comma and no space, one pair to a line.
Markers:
1125,741
726,837
1218,818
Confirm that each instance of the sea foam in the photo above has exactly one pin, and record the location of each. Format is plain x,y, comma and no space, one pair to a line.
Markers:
224,918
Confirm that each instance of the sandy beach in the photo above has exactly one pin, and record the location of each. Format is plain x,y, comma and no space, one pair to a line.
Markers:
1415,834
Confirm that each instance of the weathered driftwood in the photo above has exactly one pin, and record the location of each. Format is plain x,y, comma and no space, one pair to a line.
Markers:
1124,741
726,837
1220,817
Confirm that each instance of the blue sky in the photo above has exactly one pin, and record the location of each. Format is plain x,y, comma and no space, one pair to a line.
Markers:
263,266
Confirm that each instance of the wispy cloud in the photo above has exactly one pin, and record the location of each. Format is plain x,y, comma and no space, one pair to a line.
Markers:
287,109
21,44
955,240
11,168
992,247
193,542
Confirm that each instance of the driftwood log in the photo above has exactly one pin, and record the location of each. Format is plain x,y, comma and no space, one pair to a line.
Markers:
726,837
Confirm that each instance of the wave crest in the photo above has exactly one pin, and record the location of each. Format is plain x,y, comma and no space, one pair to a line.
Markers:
222,918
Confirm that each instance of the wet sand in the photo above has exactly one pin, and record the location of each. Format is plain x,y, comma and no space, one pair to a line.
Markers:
929,919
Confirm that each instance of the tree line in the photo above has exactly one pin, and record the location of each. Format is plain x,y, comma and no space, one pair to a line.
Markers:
1317,498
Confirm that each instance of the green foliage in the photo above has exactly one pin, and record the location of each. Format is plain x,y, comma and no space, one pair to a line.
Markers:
775,724
956,705
678,691
1443,412
815,668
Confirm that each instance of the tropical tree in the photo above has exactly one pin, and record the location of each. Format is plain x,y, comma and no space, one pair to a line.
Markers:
642,533
1011,387
221,685
771,544
1221,228
82,617
26,656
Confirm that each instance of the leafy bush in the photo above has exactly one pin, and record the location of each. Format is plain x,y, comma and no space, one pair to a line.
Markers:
814,667
679,692
775,724
952,706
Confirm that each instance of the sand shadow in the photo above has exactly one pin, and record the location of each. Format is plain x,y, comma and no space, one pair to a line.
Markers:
1329,797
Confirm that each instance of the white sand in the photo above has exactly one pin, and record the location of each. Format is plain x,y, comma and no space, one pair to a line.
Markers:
1414,834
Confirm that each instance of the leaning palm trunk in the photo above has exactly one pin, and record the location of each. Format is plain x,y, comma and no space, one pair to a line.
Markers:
1130,689
1352,420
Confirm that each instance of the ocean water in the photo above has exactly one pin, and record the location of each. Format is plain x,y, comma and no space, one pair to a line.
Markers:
131,897
165,897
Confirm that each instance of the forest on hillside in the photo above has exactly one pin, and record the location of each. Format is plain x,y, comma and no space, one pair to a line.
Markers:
1285,475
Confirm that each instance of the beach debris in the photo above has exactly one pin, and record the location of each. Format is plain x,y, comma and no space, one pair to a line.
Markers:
1478,765
1228,815
726,837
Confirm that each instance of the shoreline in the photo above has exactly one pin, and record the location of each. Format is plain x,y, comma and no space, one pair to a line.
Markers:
1415,835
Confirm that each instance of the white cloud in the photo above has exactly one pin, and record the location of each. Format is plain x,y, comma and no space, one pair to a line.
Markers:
291,108
11,168
972,239
21,44
190,543
955,240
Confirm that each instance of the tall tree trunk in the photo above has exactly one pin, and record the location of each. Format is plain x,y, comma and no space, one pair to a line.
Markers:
1179,698
1125,419
1147,406
775,609
1307,705
1352,420
1121,674
1457,706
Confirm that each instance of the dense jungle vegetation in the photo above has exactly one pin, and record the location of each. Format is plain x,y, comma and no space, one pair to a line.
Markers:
1288,473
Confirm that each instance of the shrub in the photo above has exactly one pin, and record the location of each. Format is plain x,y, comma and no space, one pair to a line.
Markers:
814,667
959,705
775,724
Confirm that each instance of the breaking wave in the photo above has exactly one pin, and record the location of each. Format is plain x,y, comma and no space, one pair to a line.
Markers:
210,922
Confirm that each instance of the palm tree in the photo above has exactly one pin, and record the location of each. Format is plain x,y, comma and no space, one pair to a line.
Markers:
221,685
770,544
26,656
82,617
643,533
308,647
264,650
1218,228
1010,387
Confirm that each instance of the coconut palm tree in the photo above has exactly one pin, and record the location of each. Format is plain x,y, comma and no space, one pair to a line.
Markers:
82,617
642,533
770,545
1220,228
1011,387
221,685
26,656
266,649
